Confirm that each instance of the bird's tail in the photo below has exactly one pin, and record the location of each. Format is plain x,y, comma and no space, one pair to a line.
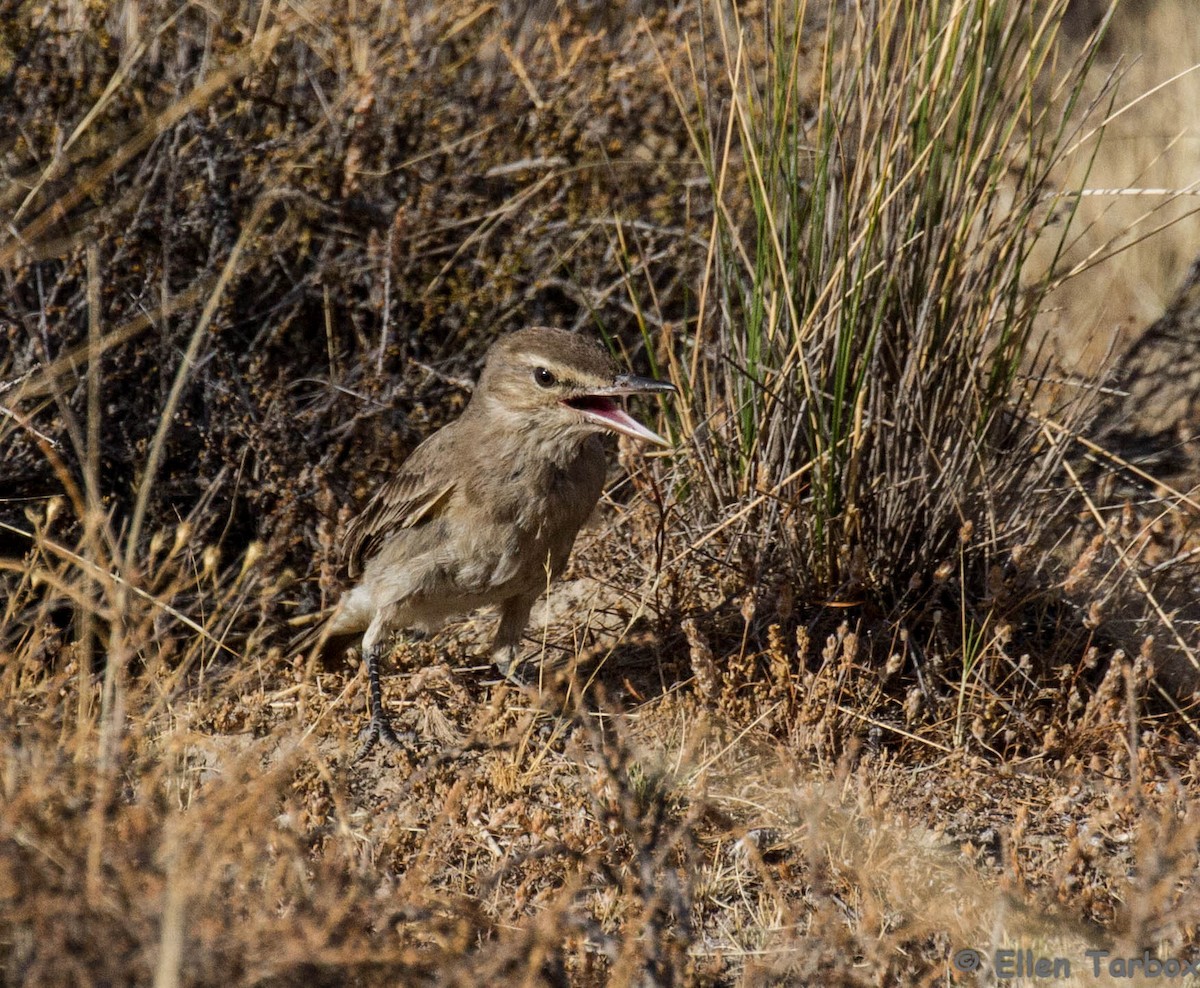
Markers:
325,638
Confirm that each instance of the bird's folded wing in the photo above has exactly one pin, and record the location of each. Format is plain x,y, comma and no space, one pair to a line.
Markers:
405,501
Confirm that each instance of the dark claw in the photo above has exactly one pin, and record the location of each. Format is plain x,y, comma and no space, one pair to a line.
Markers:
378,730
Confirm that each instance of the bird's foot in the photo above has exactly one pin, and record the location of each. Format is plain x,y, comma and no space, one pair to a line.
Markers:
521,674
380,730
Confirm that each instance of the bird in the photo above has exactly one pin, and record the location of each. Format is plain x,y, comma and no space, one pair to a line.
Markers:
486,510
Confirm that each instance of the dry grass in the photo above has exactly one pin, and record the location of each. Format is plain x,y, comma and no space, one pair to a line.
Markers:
250,259
1138,222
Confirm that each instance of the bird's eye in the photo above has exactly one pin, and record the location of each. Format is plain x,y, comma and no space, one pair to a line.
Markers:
543,377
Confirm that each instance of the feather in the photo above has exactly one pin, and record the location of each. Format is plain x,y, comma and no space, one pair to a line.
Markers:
414,497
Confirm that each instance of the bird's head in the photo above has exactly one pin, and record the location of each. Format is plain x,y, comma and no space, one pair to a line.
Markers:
550,379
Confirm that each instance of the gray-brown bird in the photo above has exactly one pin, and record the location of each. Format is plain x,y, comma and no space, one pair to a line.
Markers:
486,509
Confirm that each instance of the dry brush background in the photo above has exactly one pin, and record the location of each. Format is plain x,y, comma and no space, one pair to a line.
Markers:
251,256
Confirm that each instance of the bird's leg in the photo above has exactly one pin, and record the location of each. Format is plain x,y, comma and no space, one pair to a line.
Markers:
380,727
514,615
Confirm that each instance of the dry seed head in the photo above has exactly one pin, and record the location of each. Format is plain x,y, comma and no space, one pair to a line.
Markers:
1143,665
703,666
781,662
210,560
775,641
913,703
1051,740
254,553
1074,702
749,606
1084,562
803,644
183,535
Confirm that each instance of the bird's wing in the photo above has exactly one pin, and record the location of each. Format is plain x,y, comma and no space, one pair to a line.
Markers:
413,497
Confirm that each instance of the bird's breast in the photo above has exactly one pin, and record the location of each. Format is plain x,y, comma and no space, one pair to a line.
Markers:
529,513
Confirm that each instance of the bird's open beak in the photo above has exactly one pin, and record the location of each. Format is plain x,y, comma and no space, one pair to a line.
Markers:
598,406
